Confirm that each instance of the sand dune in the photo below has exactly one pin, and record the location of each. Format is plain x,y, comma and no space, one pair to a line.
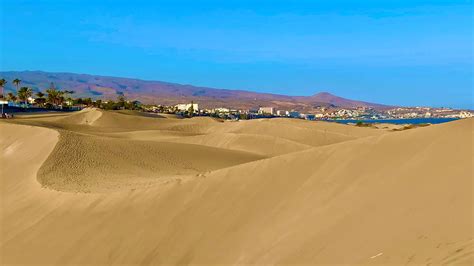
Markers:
84,117
92,163
260,144
251,192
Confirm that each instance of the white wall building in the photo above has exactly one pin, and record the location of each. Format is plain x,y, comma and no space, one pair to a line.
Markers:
185,107
282,113
465,114
221,110
319,115
265,110
31,100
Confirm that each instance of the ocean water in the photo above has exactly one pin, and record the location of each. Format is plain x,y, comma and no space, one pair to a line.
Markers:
399,121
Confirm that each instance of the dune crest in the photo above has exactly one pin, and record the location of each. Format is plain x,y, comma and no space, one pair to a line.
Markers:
86,116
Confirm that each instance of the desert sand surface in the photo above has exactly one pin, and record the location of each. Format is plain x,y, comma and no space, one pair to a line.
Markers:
104,188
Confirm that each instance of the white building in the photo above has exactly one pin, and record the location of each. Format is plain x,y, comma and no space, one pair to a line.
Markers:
465,114
221,110
31,100
319,115
265,110
185,107
282,113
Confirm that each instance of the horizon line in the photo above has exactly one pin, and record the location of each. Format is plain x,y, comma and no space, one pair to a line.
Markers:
227,89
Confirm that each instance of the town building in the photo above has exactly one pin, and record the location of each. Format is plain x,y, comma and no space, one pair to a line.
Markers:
266,110
221,110
319,115
465,114
31,100
185,107
282,113
294,114
309,116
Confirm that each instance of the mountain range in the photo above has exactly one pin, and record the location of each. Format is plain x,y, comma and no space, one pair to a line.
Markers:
166,93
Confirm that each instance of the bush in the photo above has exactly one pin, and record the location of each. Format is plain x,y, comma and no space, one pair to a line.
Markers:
362,124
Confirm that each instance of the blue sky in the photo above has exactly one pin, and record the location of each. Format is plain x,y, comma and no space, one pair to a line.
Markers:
406,52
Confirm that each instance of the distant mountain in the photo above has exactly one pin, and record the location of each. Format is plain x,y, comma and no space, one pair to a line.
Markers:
159,92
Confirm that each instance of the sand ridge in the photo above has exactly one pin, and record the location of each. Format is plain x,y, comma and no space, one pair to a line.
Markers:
86,116
102,151
373,197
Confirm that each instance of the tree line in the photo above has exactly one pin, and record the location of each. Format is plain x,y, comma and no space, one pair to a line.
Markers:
52,97
55,98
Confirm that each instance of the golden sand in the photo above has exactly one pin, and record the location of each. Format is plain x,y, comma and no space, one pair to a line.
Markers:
96,187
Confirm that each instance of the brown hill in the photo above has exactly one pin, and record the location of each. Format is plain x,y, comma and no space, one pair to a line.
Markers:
158,92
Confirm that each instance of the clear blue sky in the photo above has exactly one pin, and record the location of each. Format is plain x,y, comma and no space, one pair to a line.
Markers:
408,52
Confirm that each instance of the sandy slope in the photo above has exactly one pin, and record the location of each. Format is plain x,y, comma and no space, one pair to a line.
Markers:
94,163
255,143
86,116
360,196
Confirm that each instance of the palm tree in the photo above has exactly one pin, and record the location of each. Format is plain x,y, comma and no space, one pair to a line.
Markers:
68,93
40,100
191,109
16,82
2,85
52,95
55,97
11,97
121,101
24,93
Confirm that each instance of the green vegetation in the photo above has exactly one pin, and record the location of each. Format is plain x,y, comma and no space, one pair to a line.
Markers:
2,85
121,104
191,109
24,93
40,100
11,97
362,124
3,82
54,98
16,82
411,126
244,116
